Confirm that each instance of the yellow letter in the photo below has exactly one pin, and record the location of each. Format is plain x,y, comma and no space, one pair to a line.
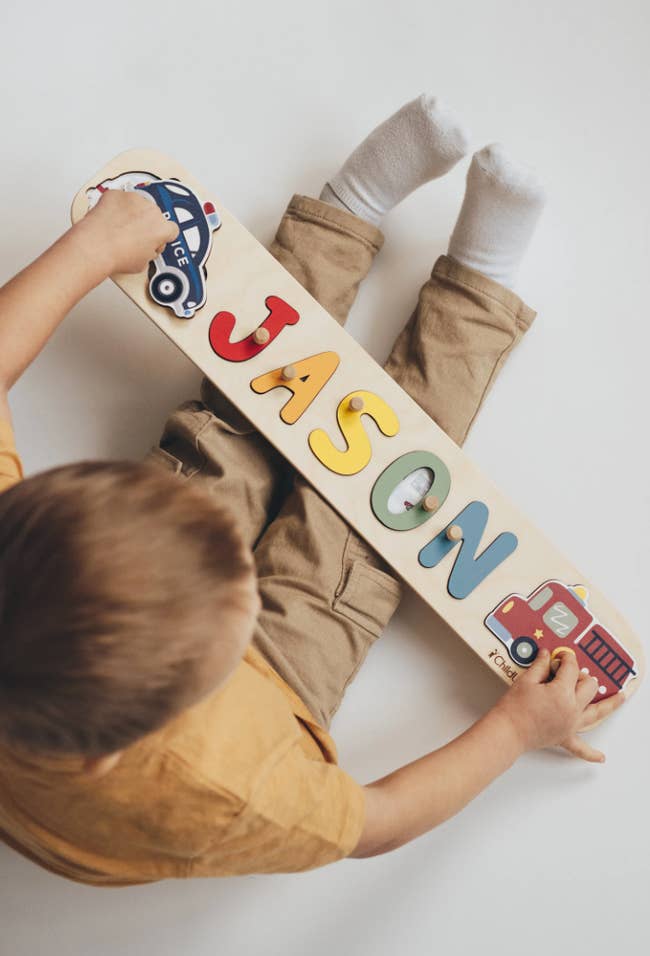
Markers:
348,414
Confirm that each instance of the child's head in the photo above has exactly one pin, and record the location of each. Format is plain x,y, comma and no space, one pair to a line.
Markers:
125,596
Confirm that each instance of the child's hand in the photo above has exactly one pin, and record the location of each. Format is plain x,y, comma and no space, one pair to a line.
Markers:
548,713
129,230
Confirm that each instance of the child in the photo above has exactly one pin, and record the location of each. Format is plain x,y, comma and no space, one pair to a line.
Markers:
169,668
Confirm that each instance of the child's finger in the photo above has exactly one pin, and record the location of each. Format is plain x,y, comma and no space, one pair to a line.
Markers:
167,233
173,231
568,671
579,747
594,713
586,690
538,672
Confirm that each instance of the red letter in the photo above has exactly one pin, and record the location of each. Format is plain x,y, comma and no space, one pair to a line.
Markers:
280,314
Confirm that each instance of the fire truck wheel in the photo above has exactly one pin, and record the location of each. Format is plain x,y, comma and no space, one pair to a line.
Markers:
523,651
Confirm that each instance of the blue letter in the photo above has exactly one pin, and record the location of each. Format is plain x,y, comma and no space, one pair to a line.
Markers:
468,570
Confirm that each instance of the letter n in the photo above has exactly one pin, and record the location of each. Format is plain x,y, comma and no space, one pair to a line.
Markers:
468,570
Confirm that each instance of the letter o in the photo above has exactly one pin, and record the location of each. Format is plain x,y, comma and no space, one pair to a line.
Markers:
396,472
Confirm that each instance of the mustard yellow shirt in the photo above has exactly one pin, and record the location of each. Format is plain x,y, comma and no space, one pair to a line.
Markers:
246,781
10,467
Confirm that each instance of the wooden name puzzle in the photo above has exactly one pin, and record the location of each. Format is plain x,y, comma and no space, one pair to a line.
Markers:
360,440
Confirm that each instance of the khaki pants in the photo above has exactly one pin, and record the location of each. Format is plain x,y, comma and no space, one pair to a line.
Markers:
326,595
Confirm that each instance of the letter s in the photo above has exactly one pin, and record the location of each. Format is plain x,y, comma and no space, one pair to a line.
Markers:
359,452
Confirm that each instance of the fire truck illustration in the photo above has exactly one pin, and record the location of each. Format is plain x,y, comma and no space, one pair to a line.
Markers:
557,617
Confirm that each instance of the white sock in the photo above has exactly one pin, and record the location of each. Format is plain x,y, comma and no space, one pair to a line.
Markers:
422,141
503,202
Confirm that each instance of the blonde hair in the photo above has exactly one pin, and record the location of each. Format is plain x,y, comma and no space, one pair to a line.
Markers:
116,582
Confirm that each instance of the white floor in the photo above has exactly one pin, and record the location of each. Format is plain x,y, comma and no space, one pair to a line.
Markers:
261,100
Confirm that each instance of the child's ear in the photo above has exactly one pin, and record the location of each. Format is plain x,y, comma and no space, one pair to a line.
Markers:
96,767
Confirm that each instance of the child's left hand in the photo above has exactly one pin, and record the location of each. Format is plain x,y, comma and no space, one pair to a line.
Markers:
128,229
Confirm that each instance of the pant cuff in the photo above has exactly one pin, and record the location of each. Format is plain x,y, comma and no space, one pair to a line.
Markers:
449,268
307,208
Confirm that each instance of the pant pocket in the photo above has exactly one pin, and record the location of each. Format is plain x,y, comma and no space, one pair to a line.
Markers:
368,597
163,459
230,418
178,442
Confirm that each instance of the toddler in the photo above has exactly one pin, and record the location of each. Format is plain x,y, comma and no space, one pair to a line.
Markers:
176,635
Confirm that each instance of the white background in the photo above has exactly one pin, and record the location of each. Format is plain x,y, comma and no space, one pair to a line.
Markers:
261,100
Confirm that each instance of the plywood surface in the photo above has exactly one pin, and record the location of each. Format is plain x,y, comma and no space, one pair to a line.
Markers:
241,275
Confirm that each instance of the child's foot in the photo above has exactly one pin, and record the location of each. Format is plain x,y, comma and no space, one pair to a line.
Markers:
422,141
503,202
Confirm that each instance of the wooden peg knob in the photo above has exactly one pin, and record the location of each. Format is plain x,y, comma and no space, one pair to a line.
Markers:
288,372
559,651
454,532
430,503
261,336
357,404
557,657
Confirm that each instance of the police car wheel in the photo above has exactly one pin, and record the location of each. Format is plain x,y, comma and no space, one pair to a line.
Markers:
523,651
166,287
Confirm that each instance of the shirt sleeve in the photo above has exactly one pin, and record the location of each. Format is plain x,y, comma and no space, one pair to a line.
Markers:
302,814
11,470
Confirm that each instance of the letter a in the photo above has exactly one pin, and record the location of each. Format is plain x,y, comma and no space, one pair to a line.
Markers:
312,374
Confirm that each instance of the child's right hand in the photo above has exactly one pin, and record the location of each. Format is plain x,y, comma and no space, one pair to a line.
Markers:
128,229
548,713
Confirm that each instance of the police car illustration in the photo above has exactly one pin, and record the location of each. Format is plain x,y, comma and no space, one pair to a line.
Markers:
177,275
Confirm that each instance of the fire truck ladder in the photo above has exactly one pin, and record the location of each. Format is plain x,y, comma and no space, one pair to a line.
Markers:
598,650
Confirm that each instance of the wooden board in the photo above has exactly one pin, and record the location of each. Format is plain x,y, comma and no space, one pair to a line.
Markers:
529,593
